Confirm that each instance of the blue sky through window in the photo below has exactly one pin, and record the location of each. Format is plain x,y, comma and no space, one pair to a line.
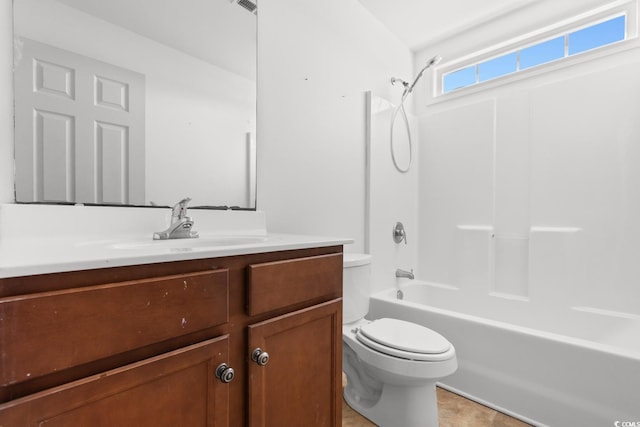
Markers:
542,53
592,37
497,67
460,78
597,35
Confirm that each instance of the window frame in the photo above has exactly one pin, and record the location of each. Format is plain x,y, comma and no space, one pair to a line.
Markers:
627,8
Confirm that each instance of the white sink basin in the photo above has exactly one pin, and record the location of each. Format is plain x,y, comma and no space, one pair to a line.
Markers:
201,242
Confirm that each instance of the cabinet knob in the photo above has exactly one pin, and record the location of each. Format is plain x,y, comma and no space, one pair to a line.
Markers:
225,373
260,357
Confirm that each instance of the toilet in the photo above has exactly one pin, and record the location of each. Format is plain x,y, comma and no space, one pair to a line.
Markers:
391,365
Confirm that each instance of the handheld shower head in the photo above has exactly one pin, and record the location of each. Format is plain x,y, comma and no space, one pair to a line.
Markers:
430,63
434,61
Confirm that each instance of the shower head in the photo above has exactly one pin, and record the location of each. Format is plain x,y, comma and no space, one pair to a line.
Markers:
430,63
433,61
250,5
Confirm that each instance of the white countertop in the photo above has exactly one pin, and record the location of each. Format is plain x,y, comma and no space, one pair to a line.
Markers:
38,239
37,256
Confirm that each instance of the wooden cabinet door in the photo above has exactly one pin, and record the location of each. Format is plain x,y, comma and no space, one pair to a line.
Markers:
300,384
178,388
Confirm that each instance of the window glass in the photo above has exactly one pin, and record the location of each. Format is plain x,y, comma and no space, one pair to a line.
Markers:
497,67
597,35
565,44
460,78
542,53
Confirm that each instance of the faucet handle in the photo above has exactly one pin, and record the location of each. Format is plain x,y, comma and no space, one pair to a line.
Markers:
399,234
180,208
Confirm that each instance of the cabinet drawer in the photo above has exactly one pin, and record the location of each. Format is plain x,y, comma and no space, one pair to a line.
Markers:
52,331
281,284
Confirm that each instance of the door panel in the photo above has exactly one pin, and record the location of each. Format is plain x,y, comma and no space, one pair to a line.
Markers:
55,139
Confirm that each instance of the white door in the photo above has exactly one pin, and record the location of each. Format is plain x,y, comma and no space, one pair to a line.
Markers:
79,128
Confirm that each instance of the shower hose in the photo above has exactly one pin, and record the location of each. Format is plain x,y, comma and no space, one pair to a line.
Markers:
406,123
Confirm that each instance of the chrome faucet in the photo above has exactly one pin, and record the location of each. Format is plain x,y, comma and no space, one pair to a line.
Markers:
181,224
404,273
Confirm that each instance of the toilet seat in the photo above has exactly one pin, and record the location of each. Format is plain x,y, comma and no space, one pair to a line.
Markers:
405,340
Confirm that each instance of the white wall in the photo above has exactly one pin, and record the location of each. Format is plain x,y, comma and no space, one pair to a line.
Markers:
315,62
6,103
528,189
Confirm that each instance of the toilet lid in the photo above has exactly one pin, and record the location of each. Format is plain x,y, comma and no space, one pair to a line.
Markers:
403,339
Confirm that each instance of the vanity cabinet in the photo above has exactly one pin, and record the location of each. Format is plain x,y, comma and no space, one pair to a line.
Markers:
250,339
295,385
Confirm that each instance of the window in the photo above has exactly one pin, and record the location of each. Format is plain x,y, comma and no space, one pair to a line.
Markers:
542,53
497,67
460,78
597,35
571,42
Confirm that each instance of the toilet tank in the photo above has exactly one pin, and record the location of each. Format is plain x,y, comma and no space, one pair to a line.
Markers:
356,286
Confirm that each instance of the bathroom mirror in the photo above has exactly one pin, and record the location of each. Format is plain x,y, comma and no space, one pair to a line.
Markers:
139,103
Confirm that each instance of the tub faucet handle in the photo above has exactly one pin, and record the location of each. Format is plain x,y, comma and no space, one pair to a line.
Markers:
399,234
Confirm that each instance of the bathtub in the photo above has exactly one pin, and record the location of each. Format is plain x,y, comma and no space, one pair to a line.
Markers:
547,366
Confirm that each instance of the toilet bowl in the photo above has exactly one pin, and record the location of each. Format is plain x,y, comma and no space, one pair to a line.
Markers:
391,365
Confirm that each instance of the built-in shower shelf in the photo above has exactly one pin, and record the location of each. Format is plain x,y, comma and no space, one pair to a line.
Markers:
555,229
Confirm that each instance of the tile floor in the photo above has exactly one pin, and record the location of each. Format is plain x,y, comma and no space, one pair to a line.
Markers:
453,411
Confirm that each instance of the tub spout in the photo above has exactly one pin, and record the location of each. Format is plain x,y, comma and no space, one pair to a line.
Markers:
404,273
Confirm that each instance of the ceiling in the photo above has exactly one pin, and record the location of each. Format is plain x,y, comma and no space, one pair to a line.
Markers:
219,32
223,33
419,22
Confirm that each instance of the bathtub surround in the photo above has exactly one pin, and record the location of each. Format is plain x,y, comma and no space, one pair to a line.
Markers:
392,196
539,204
526,187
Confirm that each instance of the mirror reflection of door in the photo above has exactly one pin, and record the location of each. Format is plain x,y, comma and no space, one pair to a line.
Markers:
80,123
198,59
